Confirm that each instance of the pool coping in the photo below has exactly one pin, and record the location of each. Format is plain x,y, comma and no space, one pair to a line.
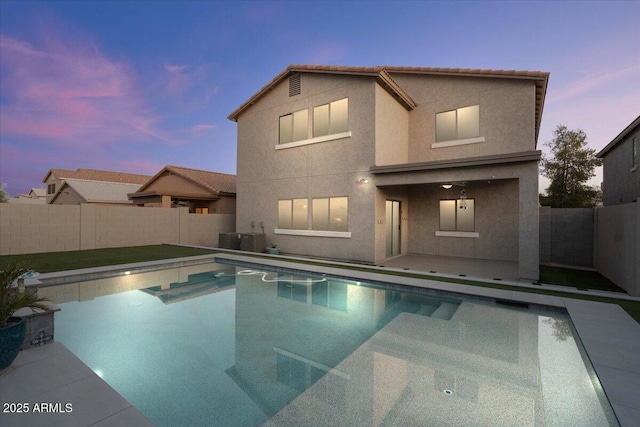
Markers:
610,336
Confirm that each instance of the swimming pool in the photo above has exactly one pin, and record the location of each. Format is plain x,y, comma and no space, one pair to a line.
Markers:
239,345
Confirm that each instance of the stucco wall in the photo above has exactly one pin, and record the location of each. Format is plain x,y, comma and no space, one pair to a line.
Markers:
520,195
618,245
53,228
68,196
621,181
52,179
507,114
496,221
327,169
392,130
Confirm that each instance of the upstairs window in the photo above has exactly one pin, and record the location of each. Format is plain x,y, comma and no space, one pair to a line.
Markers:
293,126
51,188
332,118
458,124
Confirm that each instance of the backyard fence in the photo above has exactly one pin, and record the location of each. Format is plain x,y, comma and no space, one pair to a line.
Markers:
605,238
27,228
567,236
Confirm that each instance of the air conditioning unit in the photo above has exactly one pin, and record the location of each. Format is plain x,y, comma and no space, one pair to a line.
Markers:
253,242
229,241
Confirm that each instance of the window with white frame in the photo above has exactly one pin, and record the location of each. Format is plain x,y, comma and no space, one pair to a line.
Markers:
330,214
51,188
457,215
458,124
294,126
332,118
327,214
292,214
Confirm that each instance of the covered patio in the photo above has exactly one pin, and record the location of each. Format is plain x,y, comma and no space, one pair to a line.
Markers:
456,266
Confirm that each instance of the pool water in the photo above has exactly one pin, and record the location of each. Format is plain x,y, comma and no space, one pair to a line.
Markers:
238,346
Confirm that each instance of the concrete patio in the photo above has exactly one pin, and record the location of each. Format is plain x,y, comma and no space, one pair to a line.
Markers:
455,266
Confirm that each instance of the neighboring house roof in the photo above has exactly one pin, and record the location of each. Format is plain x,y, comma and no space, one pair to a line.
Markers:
98,175
381,73
99,191
38,192
634,124
215,183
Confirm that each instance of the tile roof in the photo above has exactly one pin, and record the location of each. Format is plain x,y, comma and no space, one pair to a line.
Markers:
99,175
215,182
99,191
541,79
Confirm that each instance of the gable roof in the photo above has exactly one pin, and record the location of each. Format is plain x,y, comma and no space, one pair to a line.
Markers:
383,76
38,192
99,191
98,175
634,124
215,182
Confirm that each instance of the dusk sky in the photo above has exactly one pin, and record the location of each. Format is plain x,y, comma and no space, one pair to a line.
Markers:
133,86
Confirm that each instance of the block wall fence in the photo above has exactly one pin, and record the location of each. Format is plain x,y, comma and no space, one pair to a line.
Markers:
28,229
605,238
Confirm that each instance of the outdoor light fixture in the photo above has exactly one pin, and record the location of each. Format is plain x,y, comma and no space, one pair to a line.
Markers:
364,181
446,186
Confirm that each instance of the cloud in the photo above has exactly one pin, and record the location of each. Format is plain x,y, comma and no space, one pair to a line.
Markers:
201,129
141,166
71,94
327,52
595,80
177,81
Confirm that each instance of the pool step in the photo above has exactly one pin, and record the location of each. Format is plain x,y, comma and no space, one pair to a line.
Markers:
426,310
445,311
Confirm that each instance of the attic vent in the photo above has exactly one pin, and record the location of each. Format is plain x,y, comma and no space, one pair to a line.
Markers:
294,85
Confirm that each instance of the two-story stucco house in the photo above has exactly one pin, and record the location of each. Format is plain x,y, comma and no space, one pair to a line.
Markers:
367,163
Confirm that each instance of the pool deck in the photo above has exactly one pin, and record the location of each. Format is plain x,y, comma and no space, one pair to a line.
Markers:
52,374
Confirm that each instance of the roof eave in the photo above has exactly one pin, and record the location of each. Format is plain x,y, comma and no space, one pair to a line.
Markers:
390,85
618,138
292,69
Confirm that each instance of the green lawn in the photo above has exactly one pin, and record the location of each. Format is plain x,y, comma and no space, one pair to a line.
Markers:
61,261
72,260
580,279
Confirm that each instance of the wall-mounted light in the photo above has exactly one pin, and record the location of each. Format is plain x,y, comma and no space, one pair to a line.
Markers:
446,186
364,181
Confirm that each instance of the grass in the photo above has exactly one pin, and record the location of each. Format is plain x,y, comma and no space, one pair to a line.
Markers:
61,261
72,260
580,279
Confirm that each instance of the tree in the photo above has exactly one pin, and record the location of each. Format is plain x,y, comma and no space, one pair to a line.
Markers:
569,168
4,196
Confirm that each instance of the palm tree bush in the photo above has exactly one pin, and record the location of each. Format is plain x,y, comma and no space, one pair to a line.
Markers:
13,297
